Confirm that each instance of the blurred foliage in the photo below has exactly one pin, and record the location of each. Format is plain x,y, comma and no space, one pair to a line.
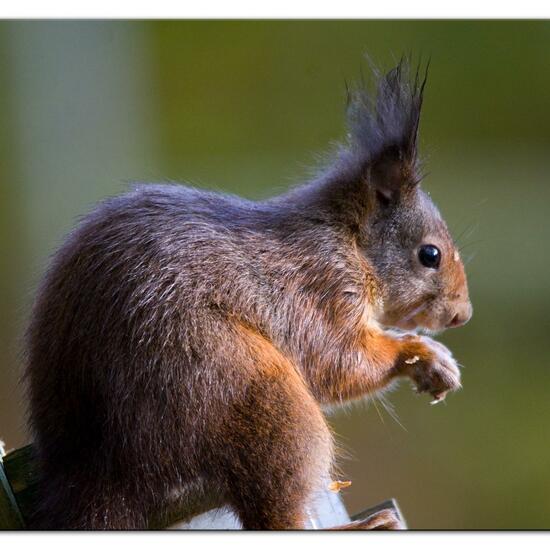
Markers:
246,107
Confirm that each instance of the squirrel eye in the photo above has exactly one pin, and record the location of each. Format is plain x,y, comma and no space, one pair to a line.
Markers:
429,256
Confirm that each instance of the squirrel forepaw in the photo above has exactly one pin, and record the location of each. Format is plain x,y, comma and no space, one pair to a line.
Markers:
433,370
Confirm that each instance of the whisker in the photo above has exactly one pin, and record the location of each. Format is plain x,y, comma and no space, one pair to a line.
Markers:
475,224
467,232
470,258
377,410
416,311
480,202
391,412
469,244
461,234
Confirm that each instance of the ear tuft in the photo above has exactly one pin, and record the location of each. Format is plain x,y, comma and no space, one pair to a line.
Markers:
383,129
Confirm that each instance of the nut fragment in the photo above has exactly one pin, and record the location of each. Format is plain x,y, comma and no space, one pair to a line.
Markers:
336,486
412,360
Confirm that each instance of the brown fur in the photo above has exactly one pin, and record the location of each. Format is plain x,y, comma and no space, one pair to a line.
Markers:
185,339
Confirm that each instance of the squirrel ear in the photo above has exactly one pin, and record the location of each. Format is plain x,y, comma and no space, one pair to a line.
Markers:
391,177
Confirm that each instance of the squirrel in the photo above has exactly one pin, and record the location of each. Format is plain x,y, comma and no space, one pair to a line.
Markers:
186,338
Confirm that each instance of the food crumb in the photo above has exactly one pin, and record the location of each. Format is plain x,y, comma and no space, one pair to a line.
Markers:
412,360
336,486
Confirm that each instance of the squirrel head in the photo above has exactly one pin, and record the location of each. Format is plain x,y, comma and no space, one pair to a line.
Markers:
420,275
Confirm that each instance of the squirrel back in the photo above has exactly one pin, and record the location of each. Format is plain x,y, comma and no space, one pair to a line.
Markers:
182,337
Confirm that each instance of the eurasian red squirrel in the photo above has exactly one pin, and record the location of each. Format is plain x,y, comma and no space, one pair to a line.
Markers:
183,338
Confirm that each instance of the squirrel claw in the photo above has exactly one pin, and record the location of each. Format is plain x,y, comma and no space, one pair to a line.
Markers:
438,398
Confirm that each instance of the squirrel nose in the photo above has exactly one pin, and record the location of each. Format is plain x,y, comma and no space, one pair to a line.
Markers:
462,315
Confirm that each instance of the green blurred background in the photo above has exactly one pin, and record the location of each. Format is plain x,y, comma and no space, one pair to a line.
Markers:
87,107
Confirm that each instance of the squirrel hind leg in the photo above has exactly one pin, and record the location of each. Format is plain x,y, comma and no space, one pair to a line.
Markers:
275,474
279,449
